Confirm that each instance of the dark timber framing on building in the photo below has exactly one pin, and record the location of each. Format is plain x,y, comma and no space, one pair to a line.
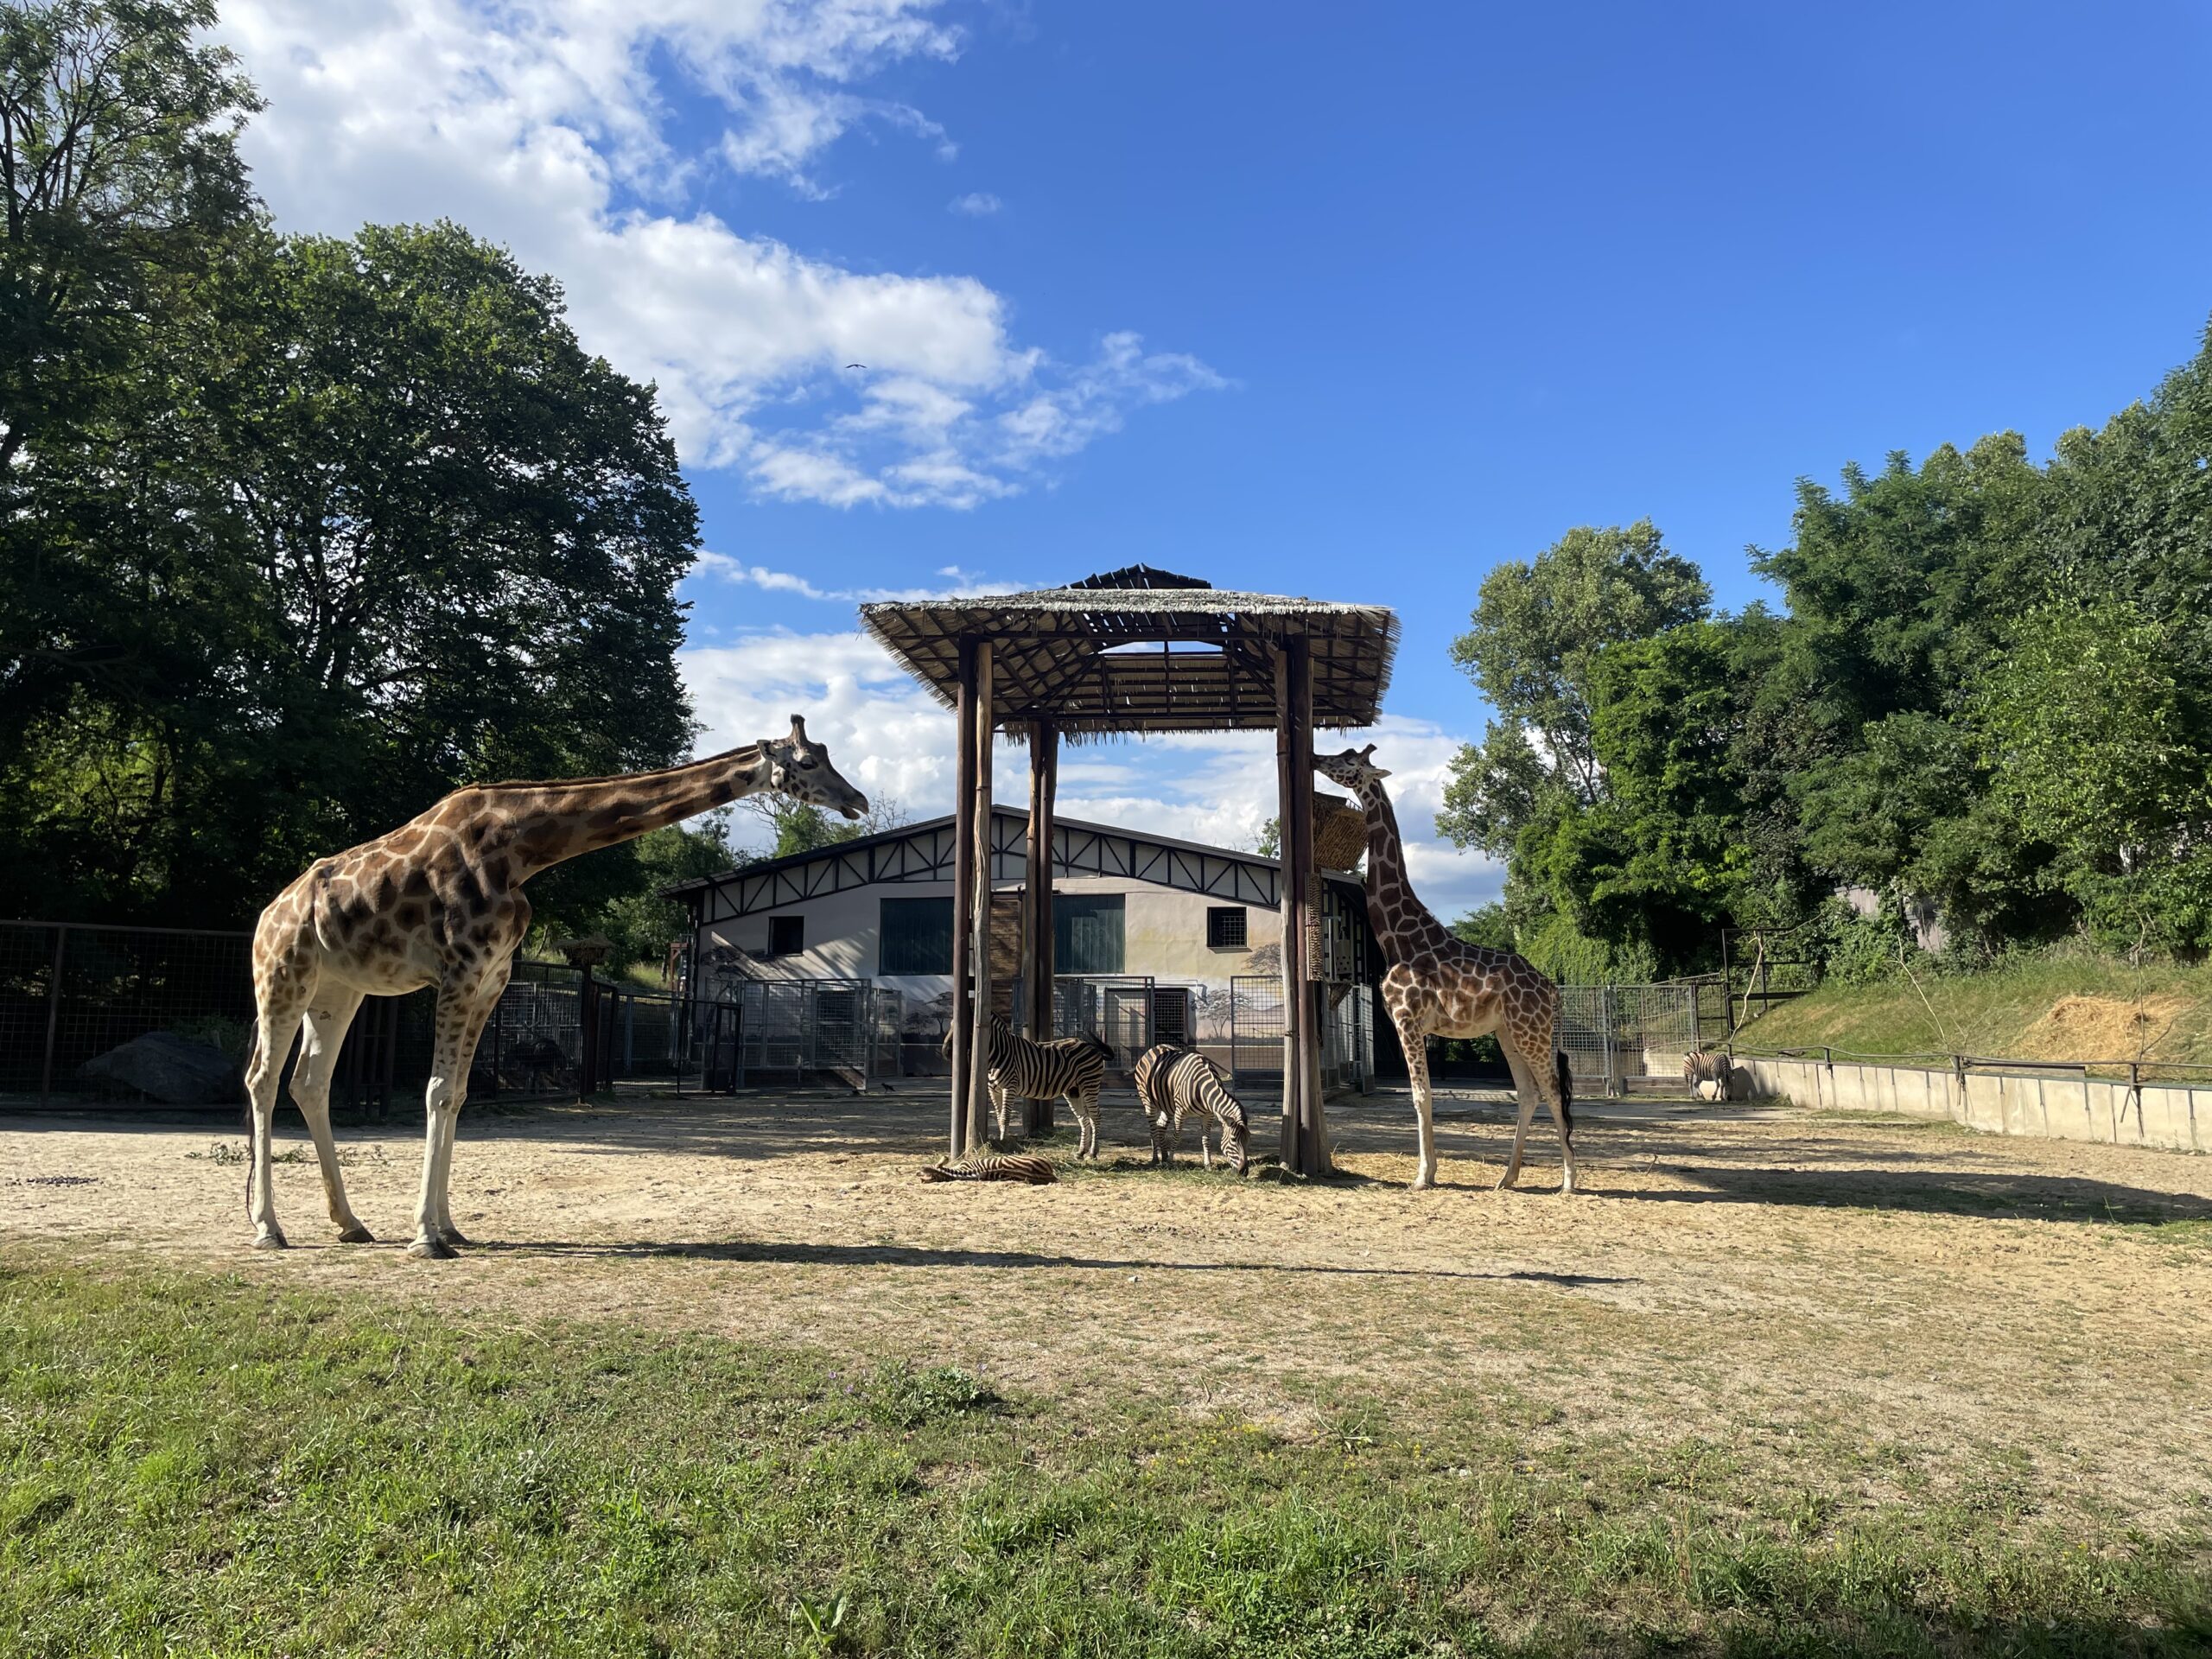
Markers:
1134,651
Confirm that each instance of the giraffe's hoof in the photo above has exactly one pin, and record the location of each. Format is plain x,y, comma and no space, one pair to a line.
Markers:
432,1249
270,1242
453,1237
1507,1183
357,1234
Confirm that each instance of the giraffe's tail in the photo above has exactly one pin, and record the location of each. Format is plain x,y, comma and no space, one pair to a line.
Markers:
245,1112
1566,1089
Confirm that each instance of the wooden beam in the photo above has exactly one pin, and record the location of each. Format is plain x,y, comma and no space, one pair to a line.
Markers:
964,897
979,922
1037,955
1305,1130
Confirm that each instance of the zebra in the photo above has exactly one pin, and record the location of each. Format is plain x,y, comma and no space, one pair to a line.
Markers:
1708,1077
1173,1081
1075,1067
987,1167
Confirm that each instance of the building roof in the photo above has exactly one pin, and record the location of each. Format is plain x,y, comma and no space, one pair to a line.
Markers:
861,843
1140,650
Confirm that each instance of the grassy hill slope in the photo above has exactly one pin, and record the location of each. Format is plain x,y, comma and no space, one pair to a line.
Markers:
2061,1008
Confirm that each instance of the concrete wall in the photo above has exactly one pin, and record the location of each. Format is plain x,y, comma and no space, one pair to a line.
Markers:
2170,1115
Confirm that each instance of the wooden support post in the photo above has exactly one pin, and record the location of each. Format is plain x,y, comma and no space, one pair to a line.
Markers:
963,893
1305,1131
979,1048
1306,1135
1037,913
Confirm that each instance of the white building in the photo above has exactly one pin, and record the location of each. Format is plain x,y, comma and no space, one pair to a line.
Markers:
1155,938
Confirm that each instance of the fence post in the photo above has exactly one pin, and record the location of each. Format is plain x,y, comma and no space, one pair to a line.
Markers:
52,1013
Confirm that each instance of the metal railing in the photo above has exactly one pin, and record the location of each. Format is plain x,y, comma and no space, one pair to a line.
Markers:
77,1001
1256,1023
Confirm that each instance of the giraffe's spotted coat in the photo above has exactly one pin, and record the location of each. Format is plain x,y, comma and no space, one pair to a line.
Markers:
438,902
1439,985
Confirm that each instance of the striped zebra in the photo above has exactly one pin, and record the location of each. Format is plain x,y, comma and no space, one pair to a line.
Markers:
988,1167
1174,1081
1074,1067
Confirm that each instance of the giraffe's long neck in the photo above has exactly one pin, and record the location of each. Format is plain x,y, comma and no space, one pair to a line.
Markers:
1401,921
554,822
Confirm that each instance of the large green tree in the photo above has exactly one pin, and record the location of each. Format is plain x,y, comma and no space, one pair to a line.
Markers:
1537,630
1534,790
122,186
341,524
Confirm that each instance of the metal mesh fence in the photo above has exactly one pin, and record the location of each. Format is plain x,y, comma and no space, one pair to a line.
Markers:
1257,1028
71,997
1612,1033
164,1016
798,1031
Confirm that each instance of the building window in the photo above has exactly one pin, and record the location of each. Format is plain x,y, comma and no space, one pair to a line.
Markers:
916,936
1087,933
787,935
1171,1015
1225,927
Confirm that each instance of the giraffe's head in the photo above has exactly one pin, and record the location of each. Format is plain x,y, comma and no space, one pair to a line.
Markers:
1355,769
799,767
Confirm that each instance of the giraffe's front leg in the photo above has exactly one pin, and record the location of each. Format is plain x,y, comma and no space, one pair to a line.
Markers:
1415,1044
461,1015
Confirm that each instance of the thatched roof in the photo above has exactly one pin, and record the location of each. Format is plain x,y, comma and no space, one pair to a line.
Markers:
1151,653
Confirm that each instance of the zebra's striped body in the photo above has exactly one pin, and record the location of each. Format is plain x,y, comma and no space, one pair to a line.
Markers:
988,1167
1174,1081
1070,1067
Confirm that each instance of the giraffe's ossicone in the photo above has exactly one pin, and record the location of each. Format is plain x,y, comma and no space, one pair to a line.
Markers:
1439,985
439,902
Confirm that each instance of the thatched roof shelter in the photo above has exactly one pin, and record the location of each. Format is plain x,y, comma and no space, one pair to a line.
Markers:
1134,651
1140,650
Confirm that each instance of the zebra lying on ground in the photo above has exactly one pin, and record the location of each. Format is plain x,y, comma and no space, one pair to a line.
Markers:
1173,1081
988,1166
1074,1067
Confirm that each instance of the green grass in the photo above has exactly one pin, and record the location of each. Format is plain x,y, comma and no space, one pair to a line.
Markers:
199,1465
2005,1011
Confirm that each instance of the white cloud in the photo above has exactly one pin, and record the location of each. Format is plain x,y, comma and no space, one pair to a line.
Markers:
544,125
976,204
963,584
890,737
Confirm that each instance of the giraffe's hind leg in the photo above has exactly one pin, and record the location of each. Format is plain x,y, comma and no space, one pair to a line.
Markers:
328,1019
277,1022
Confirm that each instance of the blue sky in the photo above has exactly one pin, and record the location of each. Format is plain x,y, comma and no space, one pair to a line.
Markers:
1354,303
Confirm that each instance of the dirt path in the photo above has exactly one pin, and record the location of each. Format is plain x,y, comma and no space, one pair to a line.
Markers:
1925,1295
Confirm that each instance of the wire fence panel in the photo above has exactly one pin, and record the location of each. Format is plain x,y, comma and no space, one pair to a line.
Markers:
112,1014
94,1015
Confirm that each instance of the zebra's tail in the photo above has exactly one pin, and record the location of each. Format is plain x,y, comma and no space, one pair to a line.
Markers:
1565,1091
1092,1039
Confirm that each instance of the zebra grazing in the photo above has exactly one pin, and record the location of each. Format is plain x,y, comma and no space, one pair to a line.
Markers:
1074,1067
1173,1081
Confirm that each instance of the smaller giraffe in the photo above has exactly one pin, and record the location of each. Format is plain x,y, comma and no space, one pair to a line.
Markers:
439,902
1439,985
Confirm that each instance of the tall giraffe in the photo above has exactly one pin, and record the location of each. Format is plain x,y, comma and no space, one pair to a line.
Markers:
1440,986
439,902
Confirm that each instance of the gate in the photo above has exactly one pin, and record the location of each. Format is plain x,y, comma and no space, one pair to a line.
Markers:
1257,1029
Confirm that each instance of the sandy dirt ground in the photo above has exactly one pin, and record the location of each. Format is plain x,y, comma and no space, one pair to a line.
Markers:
1752,1275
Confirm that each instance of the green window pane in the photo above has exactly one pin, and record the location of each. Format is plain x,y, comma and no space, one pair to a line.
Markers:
1087,933
916,936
